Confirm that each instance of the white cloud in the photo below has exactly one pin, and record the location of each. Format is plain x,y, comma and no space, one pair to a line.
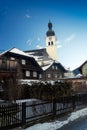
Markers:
39,47
58,42
29,42
59,46
27,16
70,38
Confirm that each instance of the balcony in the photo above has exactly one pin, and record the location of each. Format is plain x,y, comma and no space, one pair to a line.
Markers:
7,65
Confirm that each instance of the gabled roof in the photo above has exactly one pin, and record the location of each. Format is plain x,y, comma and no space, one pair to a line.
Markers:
76,72
45,67
15,51
83,64
60,66
79,69
19,52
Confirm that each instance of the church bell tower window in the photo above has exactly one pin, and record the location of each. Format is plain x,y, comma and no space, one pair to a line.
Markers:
52,43
48,43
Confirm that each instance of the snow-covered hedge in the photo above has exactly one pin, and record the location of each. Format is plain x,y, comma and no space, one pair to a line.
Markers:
44,90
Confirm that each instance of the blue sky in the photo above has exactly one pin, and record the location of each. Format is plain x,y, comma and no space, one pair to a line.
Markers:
23,24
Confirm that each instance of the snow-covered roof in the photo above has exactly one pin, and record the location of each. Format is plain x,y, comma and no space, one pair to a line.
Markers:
16,51
78,75
47,66
62,65
51,62
39,54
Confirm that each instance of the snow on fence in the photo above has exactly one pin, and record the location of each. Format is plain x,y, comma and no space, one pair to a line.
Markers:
29,112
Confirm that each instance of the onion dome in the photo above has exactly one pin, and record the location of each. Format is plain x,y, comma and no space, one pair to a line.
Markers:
50,32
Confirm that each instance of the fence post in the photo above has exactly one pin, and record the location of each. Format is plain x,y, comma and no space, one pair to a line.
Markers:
24,113
54,108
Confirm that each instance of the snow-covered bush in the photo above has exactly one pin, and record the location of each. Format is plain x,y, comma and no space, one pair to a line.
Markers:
45,90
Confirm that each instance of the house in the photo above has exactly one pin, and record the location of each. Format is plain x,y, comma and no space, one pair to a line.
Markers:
79,84
81,70
53,71
27,67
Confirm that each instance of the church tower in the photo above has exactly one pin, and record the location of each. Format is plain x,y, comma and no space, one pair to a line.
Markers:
51,46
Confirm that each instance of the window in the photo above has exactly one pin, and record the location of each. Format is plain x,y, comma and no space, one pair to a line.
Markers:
55,75
34,74
56,67
49,75
27,73
40,76
12,58
23,62
48,43
52,43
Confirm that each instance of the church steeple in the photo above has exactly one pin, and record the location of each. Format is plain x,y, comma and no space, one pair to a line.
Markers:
50,25
50,32
51,47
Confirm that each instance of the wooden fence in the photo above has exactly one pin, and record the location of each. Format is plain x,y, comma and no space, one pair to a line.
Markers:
28,113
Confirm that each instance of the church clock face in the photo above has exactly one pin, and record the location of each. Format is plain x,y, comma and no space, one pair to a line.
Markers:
50,38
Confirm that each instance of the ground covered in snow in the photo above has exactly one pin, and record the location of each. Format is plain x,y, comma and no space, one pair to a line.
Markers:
59,123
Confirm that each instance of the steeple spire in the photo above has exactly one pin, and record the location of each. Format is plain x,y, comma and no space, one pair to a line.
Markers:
50,25
50,32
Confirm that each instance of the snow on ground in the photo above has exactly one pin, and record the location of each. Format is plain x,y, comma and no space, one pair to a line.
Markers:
58,124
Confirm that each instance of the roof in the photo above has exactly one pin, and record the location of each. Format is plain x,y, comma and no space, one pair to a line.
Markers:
50,32
60,66
83,64
39,54
42,56
76,72
79,69
18,53
15,51
45,67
